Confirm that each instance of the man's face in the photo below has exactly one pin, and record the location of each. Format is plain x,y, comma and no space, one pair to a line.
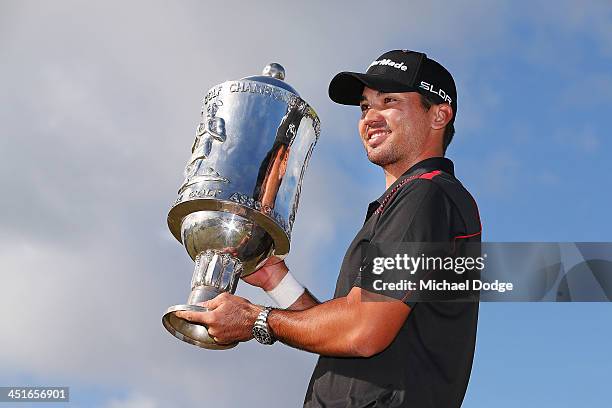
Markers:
393,126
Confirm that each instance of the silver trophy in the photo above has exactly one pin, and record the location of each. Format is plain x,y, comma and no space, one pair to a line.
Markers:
237,204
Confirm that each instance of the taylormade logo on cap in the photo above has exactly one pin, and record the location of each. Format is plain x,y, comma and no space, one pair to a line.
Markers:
398,65
440,92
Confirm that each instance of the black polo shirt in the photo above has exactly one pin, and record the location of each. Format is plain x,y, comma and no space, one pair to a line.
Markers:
428,364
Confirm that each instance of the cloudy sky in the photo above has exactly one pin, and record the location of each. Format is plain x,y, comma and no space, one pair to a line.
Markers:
99,104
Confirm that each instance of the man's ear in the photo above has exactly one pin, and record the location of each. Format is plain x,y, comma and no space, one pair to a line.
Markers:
443,113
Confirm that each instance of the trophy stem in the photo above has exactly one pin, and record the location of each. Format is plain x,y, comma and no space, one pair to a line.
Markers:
215,272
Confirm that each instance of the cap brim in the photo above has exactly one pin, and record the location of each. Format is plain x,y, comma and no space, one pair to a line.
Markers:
346,88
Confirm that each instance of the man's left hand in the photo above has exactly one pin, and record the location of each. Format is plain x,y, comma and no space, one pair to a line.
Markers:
229,318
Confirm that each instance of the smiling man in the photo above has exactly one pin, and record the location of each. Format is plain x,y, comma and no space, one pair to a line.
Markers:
397,352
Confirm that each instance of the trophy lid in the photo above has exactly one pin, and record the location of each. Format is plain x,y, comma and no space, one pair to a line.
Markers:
273,74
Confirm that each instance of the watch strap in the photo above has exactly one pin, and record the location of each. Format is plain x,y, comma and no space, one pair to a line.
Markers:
261,330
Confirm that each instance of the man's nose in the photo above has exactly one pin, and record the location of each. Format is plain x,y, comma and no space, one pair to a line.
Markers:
373,118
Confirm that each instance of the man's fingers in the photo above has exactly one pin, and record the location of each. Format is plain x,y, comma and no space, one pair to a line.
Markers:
215,302
195,317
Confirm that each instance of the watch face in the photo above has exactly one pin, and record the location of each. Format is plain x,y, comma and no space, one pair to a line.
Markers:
261,335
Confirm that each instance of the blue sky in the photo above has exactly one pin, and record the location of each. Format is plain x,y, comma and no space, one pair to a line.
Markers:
98,111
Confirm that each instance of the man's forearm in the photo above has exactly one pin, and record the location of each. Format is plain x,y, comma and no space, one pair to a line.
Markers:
329,328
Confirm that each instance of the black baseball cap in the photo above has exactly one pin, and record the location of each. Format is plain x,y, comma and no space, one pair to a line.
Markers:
397,71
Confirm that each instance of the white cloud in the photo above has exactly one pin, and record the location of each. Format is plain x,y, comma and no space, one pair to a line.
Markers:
133,401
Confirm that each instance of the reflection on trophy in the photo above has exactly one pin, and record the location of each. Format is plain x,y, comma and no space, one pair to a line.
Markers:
237,204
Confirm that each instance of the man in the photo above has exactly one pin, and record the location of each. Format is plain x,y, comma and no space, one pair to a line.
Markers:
398,352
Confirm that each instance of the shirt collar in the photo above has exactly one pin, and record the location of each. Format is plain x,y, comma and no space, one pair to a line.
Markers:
424,166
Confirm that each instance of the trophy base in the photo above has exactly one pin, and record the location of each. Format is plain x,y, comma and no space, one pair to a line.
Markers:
189,332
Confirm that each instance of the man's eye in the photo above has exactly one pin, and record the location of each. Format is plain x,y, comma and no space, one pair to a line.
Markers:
364,107
389,100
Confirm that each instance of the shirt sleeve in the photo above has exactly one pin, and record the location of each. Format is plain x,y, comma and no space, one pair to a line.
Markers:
415,222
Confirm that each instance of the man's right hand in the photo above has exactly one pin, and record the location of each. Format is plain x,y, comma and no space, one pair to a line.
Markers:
269,275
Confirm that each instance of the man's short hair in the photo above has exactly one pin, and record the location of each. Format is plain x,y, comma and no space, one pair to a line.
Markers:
449,131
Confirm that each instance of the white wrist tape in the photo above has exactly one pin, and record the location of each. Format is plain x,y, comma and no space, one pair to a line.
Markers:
287,291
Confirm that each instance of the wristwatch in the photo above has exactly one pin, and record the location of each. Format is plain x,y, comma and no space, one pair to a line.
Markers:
261,330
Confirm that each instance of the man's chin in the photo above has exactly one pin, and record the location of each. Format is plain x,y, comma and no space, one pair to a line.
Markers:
379,159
